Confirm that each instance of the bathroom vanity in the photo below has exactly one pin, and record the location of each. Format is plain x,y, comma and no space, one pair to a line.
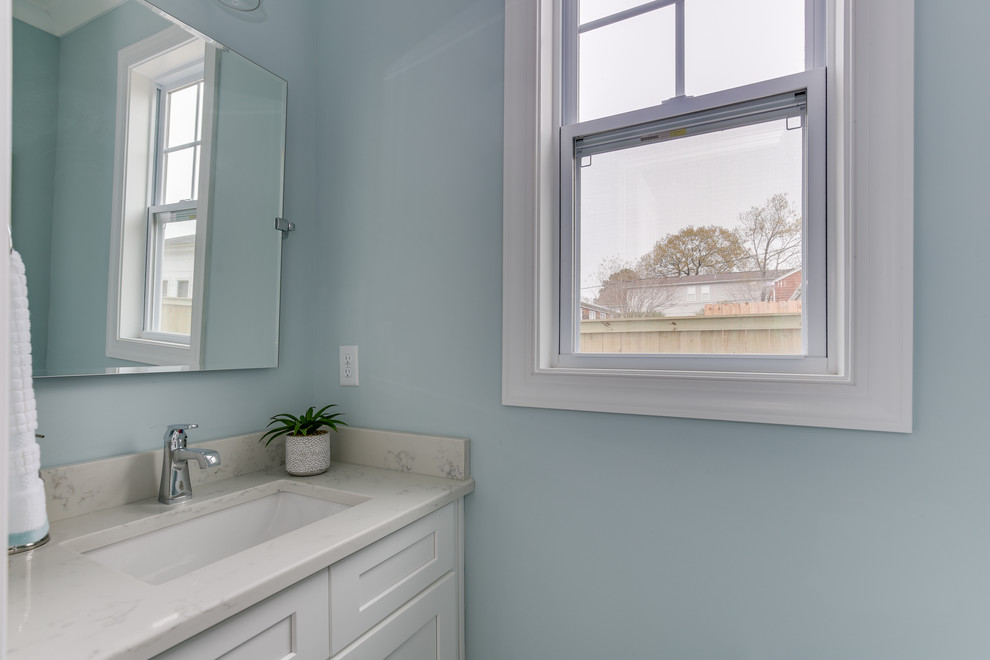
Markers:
398,593
370,565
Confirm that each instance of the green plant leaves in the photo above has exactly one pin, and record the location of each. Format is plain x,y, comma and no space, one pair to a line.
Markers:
309,423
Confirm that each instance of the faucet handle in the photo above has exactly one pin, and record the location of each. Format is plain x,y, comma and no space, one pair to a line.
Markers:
182,427
175,435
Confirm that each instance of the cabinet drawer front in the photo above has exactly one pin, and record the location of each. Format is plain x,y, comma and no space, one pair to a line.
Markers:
425,628
371,584
290,624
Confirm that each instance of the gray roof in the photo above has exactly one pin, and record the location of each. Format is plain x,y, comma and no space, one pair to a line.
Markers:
712,278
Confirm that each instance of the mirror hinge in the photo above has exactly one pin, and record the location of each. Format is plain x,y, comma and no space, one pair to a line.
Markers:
284,226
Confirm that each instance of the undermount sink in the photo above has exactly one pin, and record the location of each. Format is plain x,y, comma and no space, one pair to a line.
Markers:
192,536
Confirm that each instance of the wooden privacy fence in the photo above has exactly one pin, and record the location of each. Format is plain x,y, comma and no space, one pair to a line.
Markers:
769,307
176,315
776,334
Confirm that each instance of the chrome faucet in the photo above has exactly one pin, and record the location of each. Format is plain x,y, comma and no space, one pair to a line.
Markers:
175,485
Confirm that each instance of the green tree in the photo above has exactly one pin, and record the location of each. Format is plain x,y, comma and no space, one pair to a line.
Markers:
694,251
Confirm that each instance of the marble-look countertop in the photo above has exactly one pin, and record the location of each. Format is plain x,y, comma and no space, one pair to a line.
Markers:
65,605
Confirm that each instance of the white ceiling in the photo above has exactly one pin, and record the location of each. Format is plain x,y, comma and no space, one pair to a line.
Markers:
59,17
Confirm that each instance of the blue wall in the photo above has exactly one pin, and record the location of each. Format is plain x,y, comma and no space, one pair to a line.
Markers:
596,535
607,536
82,206
33,135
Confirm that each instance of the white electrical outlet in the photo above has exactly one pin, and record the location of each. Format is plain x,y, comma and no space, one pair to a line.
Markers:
349,366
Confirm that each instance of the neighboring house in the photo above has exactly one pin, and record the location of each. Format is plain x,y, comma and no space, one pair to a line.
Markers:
177,269
593,312
688,295
178,265
787,287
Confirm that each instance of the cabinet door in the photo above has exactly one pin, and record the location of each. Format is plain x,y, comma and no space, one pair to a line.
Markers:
291,624
374,582
425,628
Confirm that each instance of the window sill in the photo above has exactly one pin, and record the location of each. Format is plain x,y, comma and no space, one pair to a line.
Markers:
159,353
822,401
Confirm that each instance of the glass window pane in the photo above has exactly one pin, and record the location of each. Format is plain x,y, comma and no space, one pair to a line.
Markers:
627,65
713,213
728,43
179,170
183,106
178,240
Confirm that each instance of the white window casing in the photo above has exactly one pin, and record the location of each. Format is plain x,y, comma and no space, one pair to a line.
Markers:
137,65
865,380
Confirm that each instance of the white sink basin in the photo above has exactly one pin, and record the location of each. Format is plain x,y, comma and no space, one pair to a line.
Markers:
192,536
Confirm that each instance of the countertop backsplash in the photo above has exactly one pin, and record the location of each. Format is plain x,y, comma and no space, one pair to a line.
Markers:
75,490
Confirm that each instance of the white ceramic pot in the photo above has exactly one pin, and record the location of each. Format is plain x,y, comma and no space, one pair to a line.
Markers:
306,455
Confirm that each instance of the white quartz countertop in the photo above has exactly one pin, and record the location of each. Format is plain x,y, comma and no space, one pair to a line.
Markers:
62,604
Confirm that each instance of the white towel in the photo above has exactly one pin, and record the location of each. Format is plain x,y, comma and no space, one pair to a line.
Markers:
27,519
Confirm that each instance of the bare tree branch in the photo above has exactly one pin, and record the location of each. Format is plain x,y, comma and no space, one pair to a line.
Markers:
772,237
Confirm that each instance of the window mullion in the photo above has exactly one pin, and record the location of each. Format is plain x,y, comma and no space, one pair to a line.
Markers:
569,61
198,138
626,14
679,48
180,147
814,34
199,113
158,189
153,268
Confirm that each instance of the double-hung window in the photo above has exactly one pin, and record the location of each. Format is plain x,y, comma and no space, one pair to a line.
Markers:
172,214
655,148
686,151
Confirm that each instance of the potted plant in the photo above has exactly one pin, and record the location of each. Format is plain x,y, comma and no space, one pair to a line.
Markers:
307,439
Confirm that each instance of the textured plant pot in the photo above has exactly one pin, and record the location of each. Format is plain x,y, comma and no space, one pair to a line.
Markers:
306,455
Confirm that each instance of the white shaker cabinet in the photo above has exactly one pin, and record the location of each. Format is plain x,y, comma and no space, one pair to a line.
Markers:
290,624
425,628
371,584
397,599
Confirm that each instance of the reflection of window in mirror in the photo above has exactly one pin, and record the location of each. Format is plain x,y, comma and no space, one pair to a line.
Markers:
172,215
171,254
165,91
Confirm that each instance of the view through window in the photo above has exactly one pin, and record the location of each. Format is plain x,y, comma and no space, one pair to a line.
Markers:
689,231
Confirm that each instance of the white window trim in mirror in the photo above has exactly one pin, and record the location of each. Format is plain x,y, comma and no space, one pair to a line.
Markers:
133,176
870,201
